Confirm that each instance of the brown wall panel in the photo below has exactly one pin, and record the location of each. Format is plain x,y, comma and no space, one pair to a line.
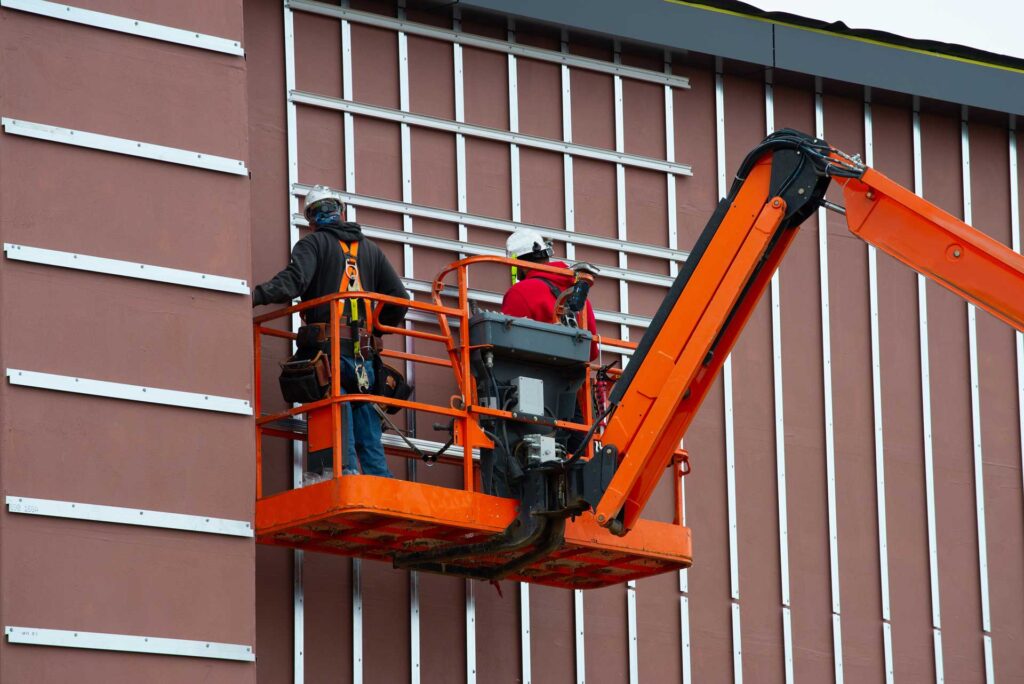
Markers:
317,55
74,665
805,428
385,594
542,188
264,30
378,158
707,516
606,638
431,77
900,361
442,628
658,628
122,85
485,87
497,632
643,115
1000,419
375,66
552,635
321,146
856,502
151,224
488,179
951,423
647,214
593,108
540,97
121,453
152,321
694,121
127,580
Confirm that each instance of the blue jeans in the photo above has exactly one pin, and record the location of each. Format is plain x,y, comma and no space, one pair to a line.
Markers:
361,427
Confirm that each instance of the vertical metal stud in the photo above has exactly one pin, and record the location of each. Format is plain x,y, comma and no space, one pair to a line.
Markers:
730,442
684,630
972,337
581,654
348,120
470,632
876,402
830,448
408,271
673,243
357,621
926,411
517,216
1015,236
622,234
567,170
460,116
670,155
298,598
634,655
461,205
780,431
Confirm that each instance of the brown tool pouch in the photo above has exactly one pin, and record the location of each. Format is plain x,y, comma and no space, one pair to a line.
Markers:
305,378
390,383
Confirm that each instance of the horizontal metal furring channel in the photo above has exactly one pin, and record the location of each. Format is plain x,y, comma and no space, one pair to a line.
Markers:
128,516
127,269
475,41
103,641
433,242
119,390
486,133
113,22
476,221
132,148
492,298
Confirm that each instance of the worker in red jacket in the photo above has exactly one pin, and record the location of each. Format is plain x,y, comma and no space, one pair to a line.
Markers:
533,293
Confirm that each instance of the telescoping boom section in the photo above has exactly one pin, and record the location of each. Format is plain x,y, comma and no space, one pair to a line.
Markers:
780,183
554,478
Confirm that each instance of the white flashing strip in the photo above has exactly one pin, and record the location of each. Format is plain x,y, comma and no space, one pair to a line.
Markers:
487,222
486,133
128,516
103,641
132,148
830,447
471,40
126,269
113,22
120,390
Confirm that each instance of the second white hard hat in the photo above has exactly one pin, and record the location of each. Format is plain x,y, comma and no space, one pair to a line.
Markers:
528,244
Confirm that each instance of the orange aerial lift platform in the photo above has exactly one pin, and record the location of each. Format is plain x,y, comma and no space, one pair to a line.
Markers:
570,516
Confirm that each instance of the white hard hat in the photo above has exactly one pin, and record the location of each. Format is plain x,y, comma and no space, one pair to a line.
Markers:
528,244
317,194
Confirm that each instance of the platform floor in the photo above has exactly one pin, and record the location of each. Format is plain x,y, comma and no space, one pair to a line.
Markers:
376,518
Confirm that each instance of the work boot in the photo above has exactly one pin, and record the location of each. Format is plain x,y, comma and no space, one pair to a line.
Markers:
349,471
310,478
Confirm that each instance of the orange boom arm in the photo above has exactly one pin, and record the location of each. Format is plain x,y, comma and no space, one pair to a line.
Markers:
779,185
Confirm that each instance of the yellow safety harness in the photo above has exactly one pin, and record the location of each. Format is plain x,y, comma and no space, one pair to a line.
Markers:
350,282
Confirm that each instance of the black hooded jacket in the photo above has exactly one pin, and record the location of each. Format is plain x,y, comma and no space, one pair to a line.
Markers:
316,268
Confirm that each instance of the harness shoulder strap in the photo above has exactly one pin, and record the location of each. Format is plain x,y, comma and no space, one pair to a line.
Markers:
555,291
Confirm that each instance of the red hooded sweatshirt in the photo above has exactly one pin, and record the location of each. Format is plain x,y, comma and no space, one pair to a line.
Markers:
532,298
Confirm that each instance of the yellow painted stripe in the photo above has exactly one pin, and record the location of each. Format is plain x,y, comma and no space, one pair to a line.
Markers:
869,41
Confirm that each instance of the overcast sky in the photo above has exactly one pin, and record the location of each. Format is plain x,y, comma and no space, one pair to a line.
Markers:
992,25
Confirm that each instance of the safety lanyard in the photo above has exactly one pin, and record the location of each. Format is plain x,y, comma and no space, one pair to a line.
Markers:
350,282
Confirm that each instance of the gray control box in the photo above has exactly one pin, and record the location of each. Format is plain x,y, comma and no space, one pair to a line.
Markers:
530,395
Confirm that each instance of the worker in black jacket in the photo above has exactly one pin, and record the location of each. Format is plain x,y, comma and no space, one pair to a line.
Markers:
316,269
